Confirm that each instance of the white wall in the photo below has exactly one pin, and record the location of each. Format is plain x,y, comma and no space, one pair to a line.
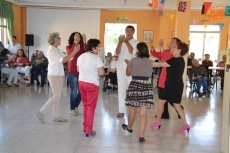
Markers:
41,22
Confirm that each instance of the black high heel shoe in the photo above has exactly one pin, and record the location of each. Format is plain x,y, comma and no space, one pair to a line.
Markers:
141,139
125,127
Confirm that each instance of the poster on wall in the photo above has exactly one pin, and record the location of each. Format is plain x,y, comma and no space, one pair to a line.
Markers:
216,13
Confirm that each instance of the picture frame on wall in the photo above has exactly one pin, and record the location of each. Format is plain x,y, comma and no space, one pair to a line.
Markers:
147,35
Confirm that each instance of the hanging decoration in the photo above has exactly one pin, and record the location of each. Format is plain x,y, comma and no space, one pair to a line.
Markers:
221,26
153,3
206,7
205,23
194,22
227,11
171,16
182,6
125,1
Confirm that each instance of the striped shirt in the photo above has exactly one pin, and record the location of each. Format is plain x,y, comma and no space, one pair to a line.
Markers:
200,70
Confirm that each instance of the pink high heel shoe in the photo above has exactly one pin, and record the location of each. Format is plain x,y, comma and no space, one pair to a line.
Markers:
184,128
155,126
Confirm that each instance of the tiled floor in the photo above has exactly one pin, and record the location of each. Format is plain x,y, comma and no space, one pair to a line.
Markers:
21,132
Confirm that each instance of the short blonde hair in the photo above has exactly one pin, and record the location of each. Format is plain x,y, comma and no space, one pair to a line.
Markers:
52,37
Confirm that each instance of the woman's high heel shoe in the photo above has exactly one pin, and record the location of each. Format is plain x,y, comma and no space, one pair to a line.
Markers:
155,126
125,127
184,128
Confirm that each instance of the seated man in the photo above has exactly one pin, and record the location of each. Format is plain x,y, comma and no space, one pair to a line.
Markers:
221,72
33,57
190,58
113,73
208,63
200,75
40,67
11,72
107,61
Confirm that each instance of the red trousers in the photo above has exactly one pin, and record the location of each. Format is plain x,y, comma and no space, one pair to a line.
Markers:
89,96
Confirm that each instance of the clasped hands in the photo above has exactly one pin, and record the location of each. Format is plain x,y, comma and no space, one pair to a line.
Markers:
122,38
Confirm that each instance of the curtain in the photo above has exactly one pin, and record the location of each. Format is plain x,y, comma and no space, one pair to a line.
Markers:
6,12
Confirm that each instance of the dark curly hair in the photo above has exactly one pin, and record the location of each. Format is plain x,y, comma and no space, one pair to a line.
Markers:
71,39
23,55
143,51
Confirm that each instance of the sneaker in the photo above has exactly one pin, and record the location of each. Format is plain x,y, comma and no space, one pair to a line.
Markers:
74,113
60,119
93,133
40,117
77,111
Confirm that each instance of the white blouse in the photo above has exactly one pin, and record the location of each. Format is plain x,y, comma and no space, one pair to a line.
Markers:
55,58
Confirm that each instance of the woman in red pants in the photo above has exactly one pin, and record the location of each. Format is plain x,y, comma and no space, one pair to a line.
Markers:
90,66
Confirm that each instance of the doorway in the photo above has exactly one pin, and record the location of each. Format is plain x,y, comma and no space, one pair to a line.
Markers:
112,32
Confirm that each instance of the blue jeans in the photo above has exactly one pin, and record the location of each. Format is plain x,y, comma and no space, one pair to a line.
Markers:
75,96
204,82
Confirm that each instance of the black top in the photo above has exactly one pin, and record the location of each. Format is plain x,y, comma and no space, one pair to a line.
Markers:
174,81
175,72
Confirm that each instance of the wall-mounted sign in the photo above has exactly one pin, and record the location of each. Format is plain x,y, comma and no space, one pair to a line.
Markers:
122,18
216,13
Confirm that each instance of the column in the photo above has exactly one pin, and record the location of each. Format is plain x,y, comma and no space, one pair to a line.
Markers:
182,32
225,135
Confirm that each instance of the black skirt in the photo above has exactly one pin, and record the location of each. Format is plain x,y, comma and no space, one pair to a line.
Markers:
140,94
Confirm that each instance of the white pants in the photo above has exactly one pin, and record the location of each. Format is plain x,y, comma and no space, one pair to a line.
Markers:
13,74
24,70
123,84
56,83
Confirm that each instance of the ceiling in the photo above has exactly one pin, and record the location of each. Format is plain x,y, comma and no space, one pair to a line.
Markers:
110,4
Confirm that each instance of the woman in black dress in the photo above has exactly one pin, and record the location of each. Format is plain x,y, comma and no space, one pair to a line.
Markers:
173,85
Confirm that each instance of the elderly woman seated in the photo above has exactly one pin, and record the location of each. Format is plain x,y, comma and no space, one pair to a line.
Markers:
200,74
23,65
11,72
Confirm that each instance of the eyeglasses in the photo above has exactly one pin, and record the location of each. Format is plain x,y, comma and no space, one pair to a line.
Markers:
98,48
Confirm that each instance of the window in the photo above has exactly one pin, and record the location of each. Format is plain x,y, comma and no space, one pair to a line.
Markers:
3,31
205,41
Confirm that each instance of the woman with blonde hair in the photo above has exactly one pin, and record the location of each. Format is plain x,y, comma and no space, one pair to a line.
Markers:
56,58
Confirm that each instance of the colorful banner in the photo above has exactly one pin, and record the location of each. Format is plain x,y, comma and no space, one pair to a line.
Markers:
207,6
205,24
216,13
182,6
221,26
153,3
194,22
171,17
227,11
